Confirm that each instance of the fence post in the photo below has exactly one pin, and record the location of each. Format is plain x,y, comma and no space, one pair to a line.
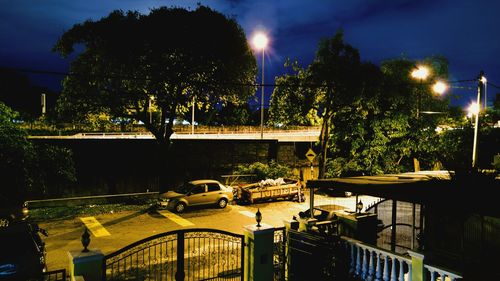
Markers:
179,274
86,264
289,224
259,243
417,266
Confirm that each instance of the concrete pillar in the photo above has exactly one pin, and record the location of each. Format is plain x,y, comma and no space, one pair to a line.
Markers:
417,266
259,244
86,264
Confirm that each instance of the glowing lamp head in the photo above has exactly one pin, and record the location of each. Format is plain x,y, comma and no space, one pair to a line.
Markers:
421,73
473,109
439,87
260,41
483,79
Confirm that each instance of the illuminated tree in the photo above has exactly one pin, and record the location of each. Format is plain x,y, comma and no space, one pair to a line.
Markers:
150,67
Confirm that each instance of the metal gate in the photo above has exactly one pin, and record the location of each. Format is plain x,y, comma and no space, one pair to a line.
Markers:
188,254
396,233
279,254
316,257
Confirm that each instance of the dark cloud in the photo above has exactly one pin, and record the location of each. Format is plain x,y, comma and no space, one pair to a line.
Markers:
463,31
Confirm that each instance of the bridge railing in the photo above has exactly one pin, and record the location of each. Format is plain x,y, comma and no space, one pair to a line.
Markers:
39,128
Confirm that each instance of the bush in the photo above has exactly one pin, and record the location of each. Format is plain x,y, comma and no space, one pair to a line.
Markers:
264,171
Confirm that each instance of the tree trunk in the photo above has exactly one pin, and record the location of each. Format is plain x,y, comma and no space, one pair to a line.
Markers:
165,168
323,143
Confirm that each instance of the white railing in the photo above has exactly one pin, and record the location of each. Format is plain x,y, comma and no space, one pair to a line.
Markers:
374,264
370,263
437,273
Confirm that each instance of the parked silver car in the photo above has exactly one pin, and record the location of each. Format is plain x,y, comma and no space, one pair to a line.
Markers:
194,193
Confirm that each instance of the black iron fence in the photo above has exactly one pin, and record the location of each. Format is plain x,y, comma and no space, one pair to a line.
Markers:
190,254
279,254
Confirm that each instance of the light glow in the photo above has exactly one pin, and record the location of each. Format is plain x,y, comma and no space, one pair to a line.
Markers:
421,72
483,79
260,41
440,87
473,109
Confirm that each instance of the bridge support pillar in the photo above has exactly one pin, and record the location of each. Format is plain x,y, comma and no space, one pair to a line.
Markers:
259,242
86,264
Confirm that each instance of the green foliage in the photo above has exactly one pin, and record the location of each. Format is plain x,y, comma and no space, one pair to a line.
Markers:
17,157
367,113
264,171
381,134
28,170
325,91
56,169
293,101
231,113
70,212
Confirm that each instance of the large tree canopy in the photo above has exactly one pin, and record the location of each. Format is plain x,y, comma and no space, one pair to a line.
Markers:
333,83
132,64
152,67
367,113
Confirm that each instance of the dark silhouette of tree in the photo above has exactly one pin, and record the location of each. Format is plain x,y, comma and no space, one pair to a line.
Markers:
331,83
367,113
150,67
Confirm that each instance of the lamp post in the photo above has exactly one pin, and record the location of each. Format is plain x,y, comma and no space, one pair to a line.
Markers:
192,117
421,73
480,87
260,41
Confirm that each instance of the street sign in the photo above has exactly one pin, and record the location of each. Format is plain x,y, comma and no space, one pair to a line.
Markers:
310,155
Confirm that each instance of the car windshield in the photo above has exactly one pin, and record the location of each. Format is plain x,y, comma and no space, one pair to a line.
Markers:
184,188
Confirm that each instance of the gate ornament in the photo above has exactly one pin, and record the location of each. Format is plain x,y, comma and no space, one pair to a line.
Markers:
359,206
258,217
85,240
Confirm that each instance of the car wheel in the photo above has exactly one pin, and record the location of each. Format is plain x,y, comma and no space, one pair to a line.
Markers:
180,207
222,203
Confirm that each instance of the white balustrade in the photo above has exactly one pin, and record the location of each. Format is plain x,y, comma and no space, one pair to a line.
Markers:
364,272
378,274
442,274
366,263
370,266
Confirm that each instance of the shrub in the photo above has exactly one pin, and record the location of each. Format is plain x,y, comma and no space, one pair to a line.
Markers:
264,171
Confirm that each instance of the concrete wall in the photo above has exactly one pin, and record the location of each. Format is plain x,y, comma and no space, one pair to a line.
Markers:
132,165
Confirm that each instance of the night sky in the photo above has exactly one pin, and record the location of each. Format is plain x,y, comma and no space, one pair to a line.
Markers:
464,31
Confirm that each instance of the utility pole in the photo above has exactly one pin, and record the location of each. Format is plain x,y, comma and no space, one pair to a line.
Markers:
44,104
480,89
192,118
262,100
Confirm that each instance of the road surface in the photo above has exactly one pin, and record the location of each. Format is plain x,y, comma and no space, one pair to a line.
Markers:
113,231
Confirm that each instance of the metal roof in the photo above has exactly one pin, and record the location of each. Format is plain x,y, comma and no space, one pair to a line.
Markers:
439,188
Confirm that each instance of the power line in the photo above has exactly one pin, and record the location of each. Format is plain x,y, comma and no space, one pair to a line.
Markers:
58,73
493,85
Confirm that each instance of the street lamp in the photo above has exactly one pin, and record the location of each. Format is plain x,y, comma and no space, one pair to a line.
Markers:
477,108
472,110
439,87
421,73
260,41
